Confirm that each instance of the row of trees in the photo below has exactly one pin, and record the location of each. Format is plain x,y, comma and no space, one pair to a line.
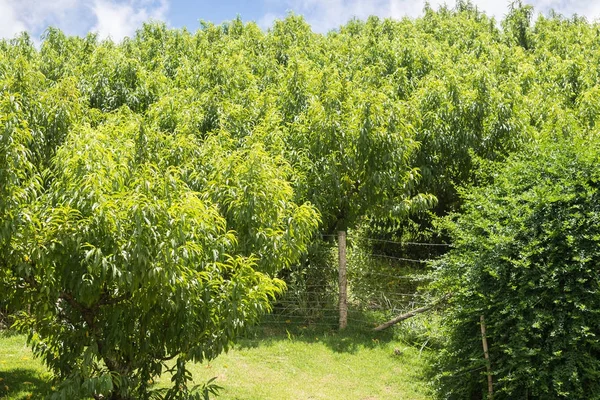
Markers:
152,191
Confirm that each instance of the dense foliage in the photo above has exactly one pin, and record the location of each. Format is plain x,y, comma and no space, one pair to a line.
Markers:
152,190
526,257
129,243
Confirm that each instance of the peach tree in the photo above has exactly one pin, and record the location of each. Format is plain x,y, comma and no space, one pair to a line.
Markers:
131,248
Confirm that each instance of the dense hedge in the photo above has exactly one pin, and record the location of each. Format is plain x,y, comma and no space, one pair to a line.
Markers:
527,257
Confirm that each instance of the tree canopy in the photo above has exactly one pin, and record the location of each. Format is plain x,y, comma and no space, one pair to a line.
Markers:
151,190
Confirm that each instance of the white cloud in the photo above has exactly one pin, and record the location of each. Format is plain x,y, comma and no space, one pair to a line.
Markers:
10,24
110,18
117,20
585,8
35,16
267,20
324,15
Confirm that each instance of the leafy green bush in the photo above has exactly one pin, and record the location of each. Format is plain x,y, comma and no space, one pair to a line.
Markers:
526,256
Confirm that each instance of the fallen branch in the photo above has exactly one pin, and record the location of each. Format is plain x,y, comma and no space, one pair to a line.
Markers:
411,314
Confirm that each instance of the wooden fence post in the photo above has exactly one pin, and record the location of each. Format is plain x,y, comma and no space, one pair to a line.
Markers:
343,280
487,359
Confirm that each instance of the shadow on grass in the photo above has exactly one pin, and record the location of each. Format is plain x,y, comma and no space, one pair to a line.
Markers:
358,334
7,333
22,383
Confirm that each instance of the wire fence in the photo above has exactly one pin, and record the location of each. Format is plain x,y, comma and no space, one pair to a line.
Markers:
396,242
382,282
400,258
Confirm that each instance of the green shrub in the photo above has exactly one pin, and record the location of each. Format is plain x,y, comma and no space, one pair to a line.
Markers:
526,256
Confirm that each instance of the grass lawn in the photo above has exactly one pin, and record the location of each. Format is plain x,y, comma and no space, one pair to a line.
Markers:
274,363
21,376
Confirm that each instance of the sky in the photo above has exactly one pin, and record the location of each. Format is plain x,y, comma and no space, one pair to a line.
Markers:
119,18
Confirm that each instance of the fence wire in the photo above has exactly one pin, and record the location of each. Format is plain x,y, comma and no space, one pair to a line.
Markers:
376,291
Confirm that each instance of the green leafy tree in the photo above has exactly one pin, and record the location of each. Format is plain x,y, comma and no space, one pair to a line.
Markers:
128,240
126,267
517,24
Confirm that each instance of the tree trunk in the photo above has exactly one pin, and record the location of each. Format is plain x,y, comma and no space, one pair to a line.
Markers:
343,280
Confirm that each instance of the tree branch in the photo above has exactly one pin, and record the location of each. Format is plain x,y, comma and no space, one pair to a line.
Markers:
412,313
86,313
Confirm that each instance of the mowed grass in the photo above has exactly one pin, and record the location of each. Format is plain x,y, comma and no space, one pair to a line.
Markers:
276,362
317,365
21,375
